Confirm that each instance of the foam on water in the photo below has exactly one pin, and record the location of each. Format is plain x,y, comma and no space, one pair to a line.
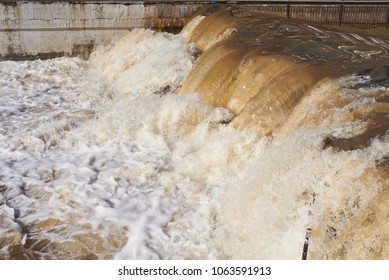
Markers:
101,159
88,167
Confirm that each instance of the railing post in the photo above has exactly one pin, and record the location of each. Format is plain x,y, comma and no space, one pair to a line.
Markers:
387,17
288,11
341,15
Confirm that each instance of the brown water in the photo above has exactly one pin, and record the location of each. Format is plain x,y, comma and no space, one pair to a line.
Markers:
265,136
277,77
264,66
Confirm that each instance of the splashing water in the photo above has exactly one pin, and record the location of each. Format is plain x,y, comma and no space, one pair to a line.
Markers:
101,159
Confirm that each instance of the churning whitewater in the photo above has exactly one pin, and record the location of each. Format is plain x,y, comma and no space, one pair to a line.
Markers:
102,159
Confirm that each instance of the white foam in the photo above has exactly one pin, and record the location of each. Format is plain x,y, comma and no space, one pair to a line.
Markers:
159,176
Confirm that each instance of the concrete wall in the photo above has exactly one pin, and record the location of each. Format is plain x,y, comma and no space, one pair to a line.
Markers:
49,28
42,29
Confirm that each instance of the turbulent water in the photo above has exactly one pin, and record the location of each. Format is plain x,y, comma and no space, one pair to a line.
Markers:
240,138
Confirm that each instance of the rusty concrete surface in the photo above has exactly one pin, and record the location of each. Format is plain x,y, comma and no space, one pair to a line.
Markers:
44,29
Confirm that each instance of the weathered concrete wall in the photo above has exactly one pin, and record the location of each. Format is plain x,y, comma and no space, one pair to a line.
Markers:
48,28
39,29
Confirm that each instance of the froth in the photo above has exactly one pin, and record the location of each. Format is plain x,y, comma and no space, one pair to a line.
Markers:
108,162
144,62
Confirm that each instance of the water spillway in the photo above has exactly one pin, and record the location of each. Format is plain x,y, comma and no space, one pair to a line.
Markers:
243,137
272,57
280,78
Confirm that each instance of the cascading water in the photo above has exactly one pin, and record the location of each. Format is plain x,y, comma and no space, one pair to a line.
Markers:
275,135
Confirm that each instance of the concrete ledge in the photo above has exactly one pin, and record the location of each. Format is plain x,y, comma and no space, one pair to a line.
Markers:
49,28
43,29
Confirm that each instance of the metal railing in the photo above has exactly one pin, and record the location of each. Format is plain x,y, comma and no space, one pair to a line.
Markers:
353,13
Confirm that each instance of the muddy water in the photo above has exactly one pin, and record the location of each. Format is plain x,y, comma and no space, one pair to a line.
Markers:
255,136
279,78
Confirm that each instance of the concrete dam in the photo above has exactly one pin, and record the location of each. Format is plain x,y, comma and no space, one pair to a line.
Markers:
44,29
253,130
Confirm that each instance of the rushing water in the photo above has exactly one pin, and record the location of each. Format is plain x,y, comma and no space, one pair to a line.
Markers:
265,141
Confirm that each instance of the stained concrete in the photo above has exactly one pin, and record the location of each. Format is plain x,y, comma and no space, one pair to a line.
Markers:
43,29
